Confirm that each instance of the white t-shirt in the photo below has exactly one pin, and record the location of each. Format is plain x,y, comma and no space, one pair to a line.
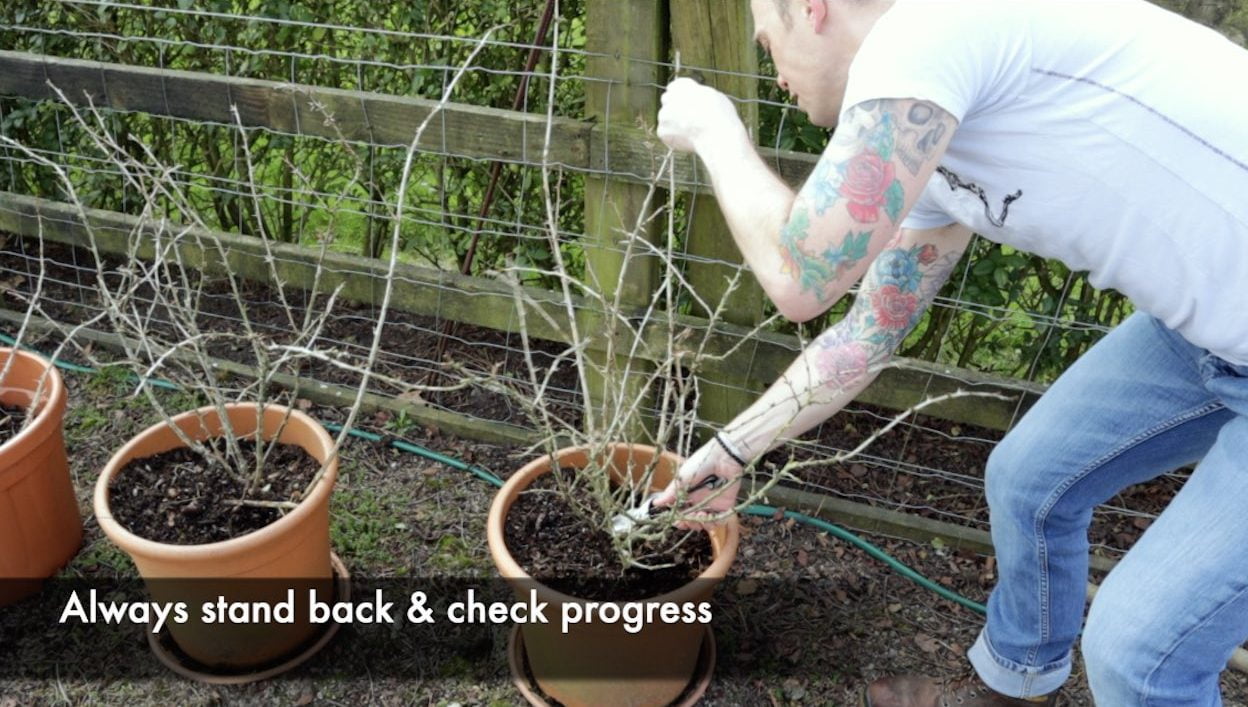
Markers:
1109,134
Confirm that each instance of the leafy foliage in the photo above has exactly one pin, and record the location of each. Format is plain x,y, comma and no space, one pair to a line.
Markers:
1003,311
407,49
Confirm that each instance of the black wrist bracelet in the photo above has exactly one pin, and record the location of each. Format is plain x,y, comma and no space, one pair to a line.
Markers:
728,449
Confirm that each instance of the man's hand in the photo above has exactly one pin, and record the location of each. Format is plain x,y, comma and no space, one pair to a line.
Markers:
694,114
705,502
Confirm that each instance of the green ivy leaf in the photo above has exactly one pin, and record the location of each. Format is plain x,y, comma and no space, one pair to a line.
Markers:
1001,276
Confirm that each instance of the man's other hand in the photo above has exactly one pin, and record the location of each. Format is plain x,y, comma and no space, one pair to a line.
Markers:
693,114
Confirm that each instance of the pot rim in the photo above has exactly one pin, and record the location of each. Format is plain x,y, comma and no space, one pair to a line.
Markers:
207,551
49,414
723,553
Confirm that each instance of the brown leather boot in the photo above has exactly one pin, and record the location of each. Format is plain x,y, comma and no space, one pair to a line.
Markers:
919,691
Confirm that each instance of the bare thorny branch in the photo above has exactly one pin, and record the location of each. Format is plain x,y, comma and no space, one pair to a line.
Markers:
154,305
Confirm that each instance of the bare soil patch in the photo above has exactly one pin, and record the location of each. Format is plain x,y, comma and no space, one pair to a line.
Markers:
410,349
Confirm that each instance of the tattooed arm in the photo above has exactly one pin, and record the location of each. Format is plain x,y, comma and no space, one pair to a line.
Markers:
899,286
808,249
878,162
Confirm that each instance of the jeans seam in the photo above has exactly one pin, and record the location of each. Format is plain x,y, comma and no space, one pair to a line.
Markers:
1043,515
1167,338
1178,641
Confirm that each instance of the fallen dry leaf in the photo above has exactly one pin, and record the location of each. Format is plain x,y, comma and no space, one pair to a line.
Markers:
746,587
926,643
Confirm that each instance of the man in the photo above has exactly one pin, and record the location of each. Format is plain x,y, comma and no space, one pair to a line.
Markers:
1108,134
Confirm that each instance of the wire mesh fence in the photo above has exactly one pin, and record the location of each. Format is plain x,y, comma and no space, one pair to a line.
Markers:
1003,312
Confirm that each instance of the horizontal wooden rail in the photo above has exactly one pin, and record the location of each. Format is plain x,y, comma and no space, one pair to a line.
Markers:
622,151
489,303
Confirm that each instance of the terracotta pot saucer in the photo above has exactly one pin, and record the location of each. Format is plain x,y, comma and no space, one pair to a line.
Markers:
167,651
522,678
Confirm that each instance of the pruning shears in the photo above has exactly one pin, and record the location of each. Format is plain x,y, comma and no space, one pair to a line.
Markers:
623,522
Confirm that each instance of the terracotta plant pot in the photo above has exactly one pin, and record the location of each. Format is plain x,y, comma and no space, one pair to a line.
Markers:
601,663
40,527
293,552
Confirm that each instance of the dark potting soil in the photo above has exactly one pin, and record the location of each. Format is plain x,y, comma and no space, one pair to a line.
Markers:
178,497
11,421
560,549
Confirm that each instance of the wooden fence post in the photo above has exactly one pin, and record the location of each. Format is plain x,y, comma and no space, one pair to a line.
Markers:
626,39
718,35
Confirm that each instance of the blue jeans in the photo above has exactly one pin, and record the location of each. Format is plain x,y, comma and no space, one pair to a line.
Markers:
1142,402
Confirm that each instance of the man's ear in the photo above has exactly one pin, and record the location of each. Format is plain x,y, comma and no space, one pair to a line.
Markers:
816,13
